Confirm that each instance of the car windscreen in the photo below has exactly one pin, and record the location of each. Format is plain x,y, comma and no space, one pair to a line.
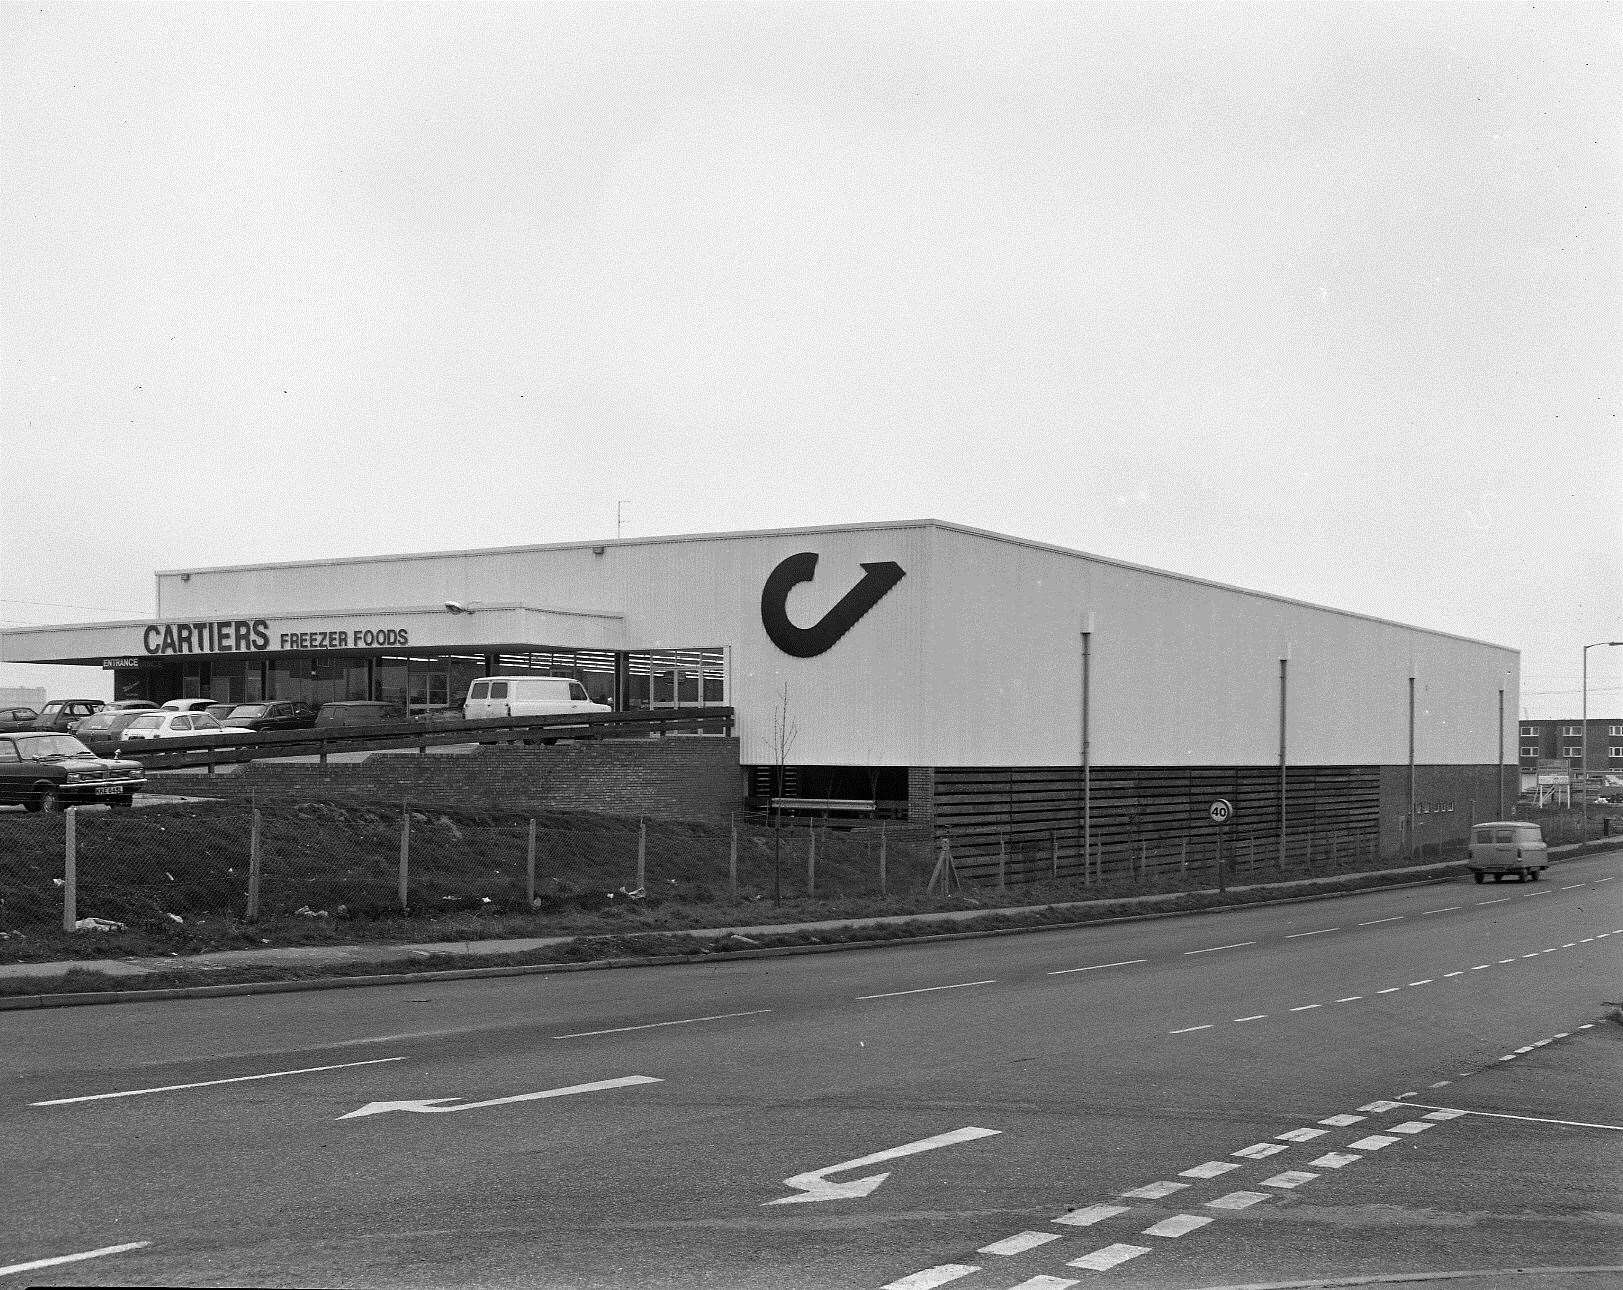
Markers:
146,721
248,710
52,747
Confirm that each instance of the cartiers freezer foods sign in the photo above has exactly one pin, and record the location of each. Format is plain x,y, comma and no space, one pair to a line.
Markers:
254,636
878,577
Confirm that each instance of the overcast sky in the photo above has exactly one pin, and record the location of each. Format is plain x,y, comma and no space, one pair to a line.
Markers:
1318,300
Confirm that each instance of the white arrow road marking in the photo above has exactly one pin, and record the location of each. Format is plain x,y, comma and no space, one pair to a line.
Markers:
431,1105
814,1184
72,1258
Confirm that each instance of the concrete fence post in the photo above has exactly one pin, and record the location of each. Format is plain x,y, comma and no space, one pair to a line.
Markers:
1141,859
1183,862
732,862
642,855
405,854
811,859
1002,862
883,878
252,913
70,868
1053,854
529,869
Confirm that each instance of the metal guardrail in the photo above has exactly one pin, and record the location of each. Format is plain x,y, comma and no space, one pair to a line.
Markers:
180,754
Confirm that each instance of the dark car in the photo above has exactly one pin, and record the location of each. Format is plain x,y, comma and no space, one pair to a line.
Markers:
359,712
131,705
219,711
103,731
65,714
17,718
46,771
274,714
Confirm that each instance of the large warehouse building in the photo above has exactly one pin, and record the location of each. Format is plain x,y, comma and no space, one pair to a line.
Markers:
960,676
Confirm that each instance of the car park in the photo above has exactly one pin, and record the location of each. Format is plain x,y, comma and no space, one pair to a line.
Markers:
45,771
358,712
176,725
1502,847
17,718
274,714
65,714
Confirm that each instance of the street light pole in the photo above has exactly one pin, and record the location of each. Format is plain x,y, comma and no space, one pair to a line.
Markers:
1583,727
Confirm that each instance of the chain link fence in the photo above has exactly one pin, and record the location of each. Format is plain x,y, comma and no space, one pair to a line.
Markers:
220,873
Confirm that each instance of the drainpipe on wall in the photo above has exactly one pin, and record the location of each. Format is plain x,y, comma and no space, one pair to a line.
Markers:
1087,775
1411,769
1501,814
1284,665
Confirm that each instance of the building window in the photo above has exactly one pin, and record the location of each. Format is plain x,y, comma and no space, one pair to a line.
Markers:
1530,752
1615,752
1572,730
1529,732
1572,750
1614,730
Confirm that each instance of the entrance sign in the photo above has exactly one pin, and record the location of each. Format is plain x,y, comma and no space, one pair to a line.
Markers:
878,578
1221,811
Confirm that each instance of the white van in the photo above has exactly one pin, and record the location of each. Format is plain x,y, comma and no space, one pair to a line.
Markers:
526,696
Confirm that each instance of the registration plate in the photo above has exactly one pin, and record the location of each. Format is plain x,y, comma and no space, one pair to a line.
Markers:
110,790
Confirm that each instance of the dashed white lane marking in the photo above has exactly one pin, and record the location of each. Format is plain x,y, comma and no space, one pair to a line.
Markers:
1340,1121
1482,967
1089,1216
1573,886
655,1025
1208,1170
1500,901
1260,1150
926,989
1318,932
1502,962
1256,1016
1109,1257
1177,1225
1187,1030
1238,1200
1019,1243
1094,967
1533,955
1301,1135
1569,945
1446,909
930,1277
1351,998
1536,893
1377,921
1454,1111
1290,1178
1307,1007
1046,1283
1154,1190
1426,981
1212,949
1391,989
1335,1160
1374,1142
1446,975
33,1264
207,1083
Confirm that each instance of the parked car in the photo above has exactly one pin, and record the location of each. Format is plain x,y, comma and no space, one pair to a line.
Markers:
1503,847
358,712
65,714
103,731
220,711
131,705
273,714
192,705
45,771
175,725
17,718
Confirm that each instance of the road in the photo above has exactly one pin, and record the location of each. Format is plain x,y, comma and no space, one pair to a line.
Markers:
1230,1098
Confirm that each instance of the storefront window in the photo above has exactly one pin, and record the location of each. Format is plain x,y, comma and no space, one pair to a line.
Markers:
678,678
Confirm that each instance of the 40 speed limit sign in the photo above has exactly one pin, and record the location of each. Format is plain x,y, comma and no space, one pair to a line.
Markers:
1221,810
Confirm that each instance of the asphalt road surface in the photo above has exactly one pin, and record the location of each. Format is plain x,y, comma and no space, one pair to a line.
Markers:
1413,1081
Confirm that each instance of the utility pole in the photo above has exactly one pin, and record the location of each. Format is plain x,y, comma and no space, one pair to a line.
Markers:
618,522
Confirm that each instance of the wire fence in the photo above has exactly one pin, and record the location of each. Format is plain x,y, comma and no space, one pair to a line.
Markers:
237,867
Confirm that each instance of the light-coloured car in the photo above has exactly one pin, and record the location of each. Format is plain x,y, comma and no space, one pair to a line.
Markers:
527,696
1503,847
186,705
175,725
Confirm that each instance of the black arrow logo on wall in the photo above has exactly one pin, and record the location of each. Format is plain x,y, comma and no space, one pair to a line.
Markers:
807,642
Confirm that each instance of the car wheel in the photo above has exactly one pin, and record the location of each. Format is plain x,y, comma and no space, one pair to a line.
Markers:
48,801
1535,874
1499,877
1477,874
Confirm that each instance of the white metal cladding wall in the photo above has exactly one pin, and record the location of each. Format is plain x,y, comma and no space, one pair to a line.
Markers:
858,703
1183,673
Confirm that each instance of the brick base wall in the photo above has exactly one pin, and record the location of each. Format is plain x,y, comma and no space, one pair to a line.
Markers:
669,779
